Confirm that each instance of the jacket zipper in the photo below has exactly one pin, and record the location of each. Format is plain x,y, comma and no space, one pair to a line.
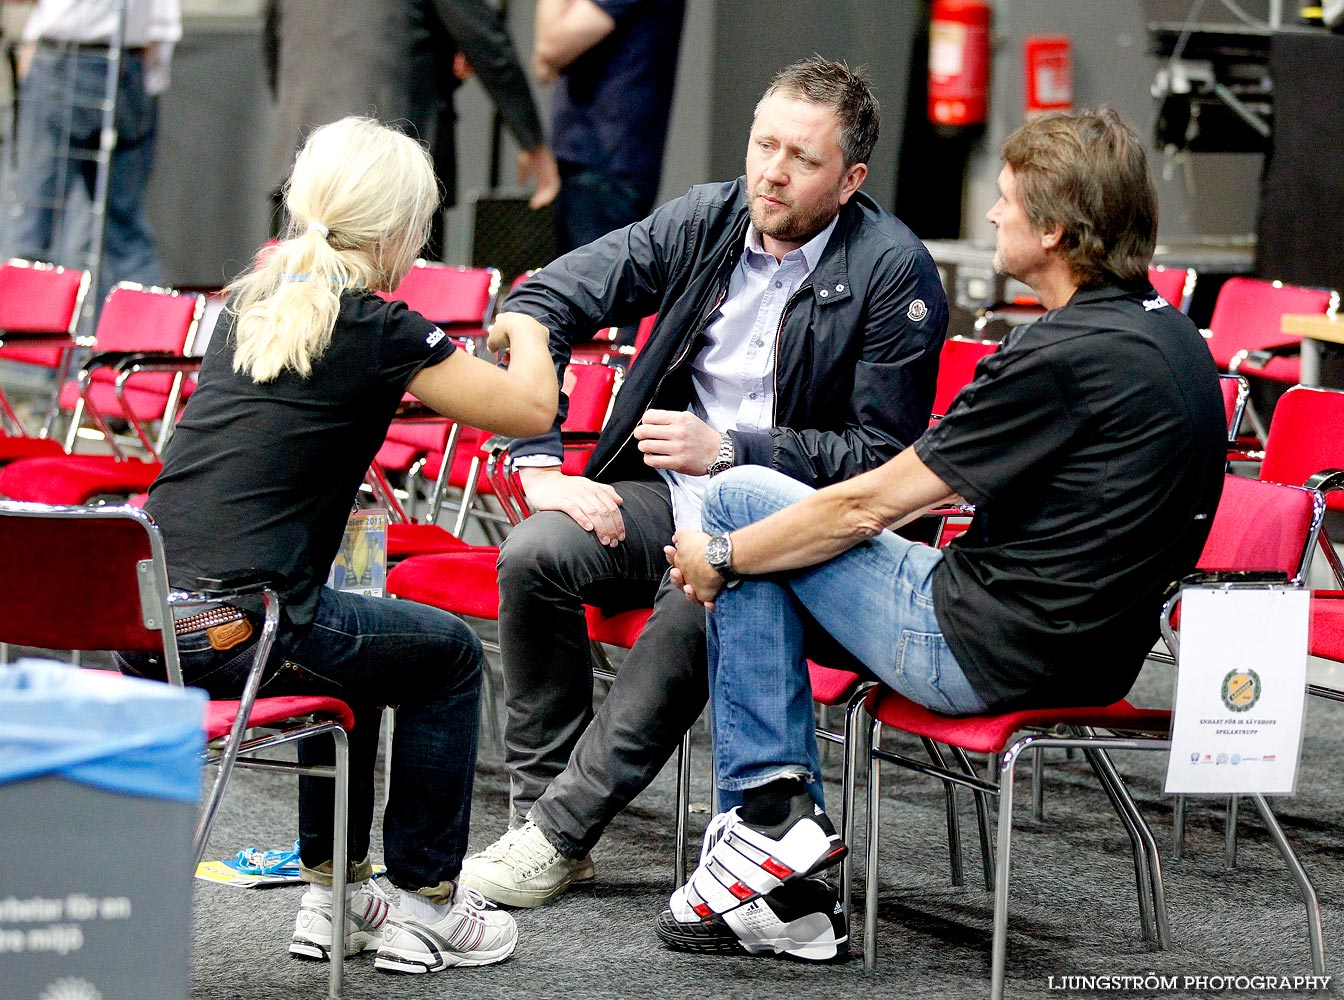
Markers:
686,350
779,340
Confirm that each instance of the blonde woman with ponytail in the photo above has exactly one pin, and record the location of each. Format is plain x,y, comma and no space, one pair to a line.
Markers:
295,397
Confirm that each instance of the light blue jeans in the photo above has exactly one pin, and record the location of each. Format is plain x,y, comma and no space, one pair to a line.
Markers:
875,600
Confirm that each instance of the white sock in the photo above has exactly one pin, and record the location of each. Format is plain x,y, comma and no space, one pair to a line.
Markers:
350,889
418,907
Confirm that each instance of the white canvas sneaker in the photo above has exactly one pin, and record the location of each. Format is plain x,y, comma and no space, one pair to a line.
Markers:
366,911
420,936
522,868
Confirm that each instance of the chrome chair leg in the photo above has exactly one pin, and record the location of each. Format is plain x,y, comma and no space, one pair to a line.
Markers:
1178,828
953,815
683,808
854,744
1230,833
1153,916
339,861
1007,763
1038,785
982,806
870,886
1315,936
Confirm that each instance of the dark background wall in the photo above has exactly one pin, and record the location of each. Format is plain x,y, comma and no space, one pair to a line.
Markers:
210,210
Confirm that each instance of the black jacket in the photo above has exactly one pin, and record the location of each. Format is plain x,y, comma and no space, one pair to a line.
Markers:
857,352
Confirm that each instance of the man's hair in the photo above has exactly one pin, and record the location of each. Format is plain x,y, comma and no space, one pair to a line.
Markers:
846,91
1088,172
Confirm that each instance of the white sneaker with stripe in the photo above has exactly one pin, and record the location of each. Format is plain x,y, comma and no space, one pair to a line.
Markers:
366,911
421,936
746,861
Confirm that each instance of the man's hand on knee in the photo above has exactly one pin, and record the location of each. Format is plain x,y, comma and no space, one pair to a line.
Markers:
677,440
595,507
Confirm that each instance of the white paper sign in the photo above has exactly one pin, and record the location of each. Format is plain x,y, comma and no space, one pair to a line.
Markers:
1240,691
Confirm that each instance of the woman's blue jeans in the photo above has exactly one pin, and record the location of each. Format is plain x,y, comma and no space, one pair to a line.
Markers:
875,600
370,652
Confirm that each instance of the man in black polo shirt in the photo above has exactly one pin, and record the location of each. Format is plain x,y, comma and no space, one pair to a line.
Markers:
1092,445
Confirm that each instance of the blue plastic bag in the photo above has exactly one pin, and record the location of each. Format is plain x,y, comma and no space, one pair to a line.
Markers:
121,734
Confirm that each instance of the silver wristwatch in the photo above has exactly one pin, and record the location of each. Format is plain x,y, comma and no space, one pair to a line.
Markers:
719,555
724,460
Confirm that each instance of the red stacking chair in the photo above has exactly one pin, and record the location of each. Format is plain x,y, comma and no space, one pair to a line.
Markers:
956,369
1175,284
123,602
1235,393
39,312
137,375
1258,526
1246,335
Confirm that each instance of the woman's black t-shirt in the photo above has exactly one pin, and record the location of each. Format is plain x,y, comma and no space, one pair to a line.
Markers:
263,476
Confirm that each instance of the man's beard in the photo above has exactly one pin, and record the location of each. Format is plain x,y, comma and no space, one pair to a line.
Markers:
794,225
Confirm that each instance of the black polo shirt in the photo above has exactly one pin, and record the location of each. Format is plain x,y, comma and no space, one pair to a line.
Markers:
263,475
1093,445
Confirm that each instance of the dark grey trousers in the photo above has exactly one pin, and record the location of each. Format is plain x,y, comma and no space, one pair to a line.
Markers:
572,769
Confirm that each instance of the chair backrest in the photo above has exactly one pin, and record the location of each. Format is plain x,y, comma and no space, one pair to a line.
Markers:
1175,284
1248,315
82,577
40,298
459,299
1235,393
1306,436
956,368
1263,526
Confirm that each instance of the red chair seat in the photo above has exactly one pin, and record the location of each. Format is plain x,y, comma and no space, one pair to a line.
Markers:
219,715
991,733
75,479
831,686
14,448
406,539
397,455
465,583
616,630
1327,624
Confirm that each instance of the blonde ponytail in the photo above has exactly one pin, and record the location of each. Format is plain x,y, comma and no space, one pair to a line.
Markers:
359,202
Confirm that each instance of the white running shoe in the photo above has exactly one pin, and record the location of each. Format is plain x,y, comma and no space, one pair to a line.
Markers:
470,931
522,868
746,862
366,911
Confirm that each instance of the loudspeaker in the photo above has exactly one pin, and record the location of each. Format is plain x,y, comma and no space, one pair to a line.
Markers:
509,235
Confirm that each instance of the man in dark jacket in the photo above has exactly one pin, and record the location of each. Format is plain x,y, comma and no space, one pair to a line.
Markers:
799,327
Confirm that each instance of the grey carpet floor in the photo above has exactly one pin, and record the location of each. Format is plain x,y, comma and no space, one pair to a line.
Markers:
1073,897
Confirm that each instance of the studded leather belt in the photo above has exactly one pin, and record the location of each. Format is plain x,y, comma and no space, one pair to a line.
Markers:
222,615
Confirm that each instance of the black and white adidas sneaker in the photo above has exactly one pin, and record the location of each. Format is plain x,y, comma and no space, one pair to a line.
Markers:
802,919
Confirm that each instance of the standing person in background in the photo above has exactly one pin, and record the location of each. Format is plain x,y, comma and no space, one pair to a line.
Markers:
613,63
63,65
394,60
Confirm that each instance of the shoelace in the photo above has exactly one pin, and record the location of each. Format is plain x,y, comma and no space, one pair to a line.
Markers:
497,850
471,903
529,855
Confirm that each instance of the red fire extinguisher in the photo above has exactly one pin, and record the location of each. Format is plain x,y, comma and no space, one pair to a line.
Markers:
958,62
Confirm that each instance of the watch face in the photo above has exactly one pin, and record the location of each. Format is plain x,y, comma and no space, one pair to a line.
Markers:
717,551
